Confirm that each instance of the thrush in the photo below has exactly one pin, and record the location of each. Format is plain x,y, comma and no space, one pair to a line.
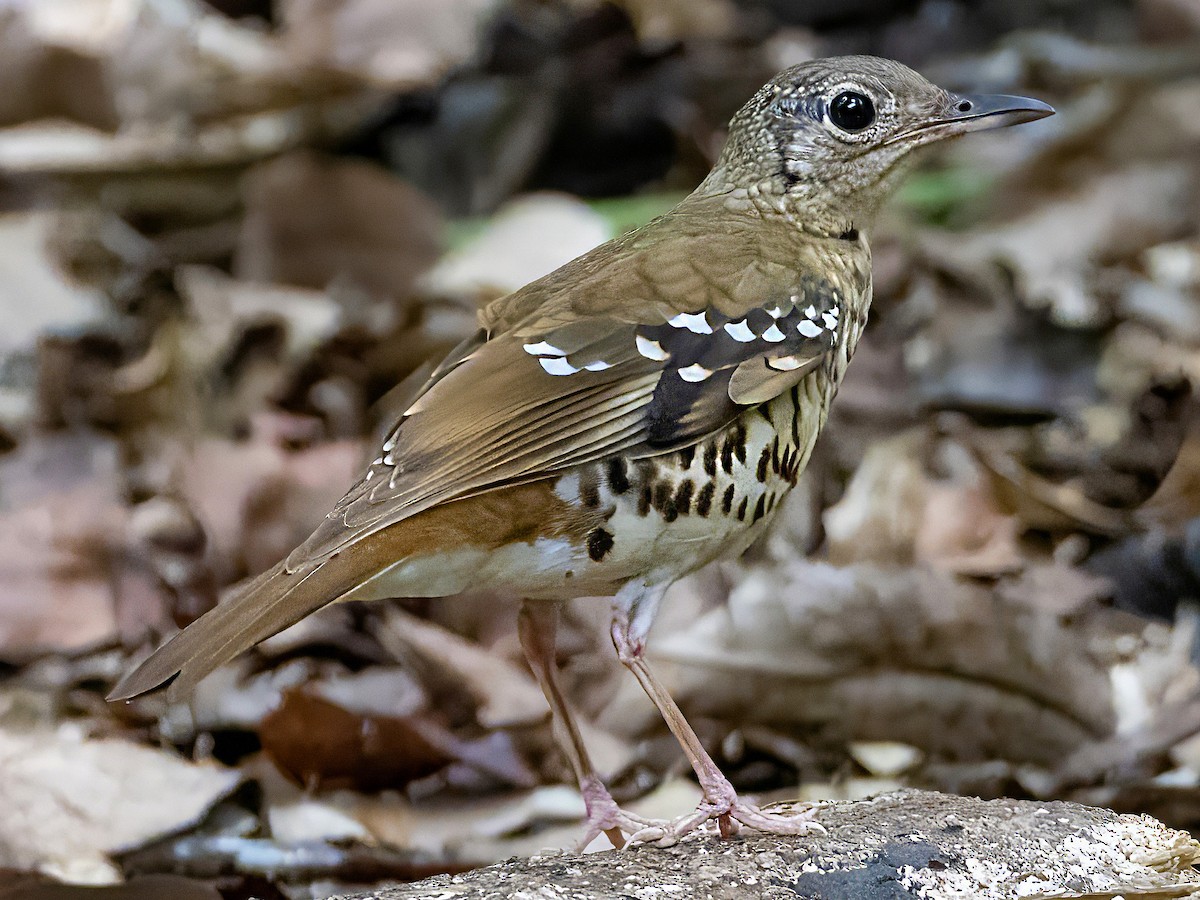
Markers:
633,415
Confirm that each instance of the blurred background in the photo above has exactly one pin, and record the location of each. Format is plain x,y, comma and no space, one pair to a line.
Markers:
229,229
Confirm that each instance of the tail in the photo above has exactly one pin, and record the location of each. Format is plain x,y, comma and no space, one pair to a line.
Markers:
267,605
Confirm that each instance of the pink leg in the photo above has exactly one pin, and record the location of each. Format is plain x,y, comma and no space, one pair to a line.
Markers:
538,626
721,801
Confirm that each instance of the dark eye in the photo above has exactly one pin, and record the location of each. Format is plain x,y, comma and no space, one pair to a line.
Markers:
851,111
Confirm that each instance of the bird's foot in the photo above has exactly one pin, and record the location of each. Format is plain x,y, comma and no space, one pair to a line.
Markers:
605,817
731,814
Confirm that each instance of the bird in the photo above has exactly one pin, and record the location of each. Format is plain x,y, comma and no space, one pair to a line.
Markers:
633,415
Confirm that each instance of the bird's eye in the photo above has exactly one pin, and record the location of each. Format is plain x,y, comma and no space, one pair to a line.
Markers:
851,111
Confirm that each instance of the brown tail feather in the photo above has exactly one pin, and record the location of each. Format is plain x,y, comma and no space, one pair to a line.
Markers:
266,606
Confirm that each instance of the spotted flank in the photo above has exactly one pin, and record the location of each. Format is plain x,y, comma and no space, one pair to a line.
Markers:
694,503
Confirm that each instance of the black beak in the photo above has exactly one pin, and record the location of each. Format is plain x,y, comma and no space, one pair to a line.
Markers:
975,112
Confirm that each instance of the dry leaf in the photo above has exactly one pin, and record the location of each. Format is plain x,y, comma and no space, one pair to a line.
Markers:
321,745
62,535
70,801
902,654
395,43
505,695
314,220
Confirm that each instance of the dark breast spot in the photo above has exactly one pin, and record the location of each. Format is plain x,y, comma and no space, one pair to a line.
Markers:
741,513
704,499
710,458
793,469
686,455
644,497
664,501
764,462
617,474
727,455
760,508
683,496
599,542
727,500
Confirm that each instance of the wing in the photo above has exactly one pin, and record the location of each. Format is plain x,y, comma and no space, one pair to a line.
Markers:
554,391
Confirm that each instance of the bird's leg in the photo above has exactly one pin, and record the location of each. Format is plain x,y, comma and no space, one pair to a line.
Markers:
537,625
721,801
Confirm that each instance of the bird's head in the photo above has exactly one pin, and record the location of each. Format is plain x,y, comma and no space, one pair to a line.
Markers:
828,139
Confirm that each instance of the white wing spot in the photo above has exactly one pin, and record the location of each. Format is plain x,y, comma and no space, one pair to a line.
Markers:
695,372
830,321
557,365
773,334
775,311
651,349
598,366
810,311
544,347
834,312
390,443
377,462
809,329
785,363
740,331
693,322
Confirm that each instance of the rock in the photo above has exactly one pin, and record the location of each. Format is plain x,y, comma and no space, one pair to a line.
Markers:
903,844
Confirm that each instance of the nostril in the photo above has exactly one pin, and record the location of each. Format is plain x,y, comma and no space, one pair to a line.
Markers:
964,106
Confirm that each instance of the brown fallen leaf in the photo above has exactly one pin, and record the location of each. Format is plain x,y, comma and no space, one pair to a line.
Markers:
313,220
321,745
257,500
